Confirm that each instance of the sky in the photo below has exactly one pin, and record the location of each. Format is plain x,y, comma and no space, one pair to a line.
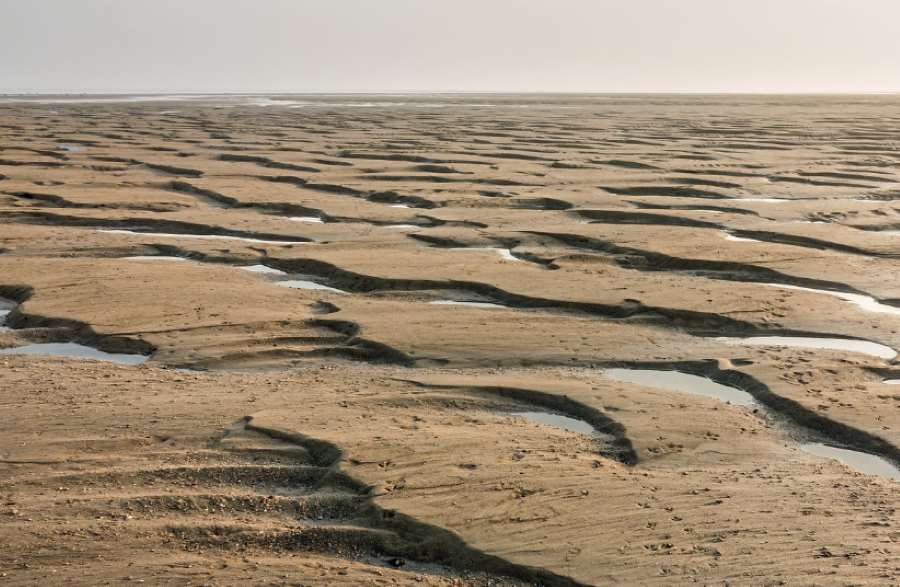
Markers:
269,46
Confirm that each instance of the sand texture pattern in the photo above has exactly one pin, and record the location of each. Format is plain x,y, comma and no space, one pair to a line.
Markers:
486,340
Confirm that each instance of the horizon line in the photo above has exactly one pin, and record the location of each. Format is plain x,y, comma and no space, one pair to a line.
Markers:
61,92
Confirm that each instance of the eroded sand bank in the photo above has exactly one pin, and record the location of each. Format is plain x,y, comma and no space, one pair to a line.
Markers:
389,358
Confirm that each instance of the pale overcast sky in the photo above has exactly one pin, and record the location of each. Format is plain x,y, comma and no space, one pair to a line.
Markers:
449,45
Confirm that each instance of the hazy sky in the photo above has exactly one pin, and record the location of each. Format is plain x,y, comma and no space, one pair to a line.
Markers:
449,45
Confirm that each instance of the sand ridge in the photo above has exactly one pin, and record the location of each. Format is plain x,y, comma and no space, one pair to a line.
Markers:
453,267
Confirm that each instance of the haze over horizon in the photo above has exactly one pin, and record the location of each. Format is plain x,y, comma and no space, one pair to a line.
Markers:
400,46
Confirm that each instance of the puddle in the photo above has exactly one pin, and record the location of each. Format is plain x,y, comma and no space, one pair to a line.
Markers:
198,236
557,421
306,284
891,381
291,283
402,227
865,302
684,382
862,462
839,344
505,254
314,219
155,258
738,239
74,350
469,304
69,147
694,384
399,206
264,269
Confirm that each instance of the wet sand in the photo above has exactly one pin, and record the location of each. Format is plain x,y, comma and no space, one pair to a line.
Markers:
487,340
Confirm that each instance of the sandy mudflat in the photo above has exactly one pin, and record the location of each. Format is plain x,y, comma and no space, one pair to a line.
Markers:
359,341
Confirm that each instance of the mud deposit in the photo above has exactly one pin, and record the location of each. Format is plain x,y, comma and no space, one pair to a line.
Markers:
446,340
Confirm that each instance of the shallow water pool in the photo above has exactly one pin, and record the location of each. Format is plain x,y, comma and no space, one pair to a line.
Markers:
558,421
505,254
74,350
684,382
306,284
861,461
263,269
867,303
806,342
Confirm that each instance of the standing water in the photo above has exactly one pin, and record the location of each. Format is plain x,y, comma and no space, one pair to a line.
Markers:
807,342
74,350
683,382
861,461
676,381
867,303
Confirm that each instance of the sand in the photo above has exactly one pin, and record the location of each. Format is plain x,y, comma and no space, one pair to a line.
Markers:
352,411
